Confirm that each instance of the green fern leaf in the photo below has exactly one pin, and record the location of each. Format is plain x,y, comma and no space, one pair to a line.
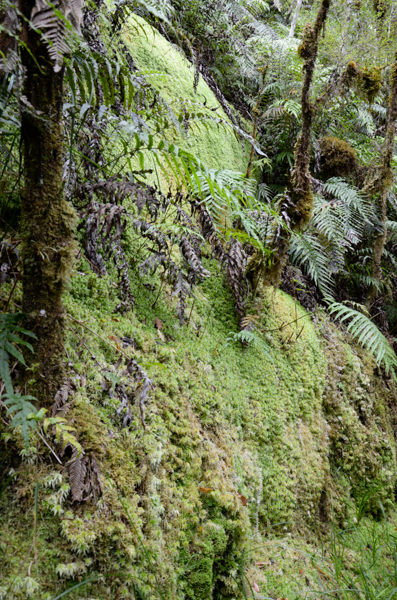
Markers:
21,411
367,334
18,407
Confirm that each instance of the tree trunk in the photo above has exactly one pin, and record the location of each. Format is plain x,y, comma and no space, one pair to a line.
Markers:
382,184
48,220
295,18
297,204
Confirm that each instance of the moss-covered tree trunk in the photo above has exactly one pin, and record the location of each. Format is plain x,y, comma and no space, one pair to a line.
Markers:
297,204
382,184
47,219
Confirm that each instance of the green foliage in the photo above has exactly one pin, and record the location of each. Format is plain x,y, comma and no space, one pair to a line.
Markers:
18,406
308,252
340,220
367,334
22,413
247,337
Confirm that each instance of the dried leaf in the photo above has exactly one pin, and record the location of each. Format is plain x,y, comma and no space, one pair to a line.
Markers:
255,586
114,338
158,324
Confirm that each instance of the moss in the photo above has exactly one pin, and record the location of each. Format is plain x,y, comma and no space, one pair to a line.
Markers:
214,144
352,72
306,49
371,82
367,80
338,158
234,443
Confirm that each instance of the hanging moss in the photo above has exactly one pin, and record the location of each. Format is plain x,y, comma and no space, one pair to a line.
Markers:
338,158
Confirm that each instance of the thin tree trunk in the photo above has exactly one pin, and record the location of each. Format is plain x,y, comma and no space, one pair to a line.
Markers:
383,184
47,219
295,18
297,204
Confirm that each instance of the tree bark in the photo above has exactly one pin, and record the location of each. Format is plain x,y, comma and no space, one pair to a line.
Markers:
382,184
48,221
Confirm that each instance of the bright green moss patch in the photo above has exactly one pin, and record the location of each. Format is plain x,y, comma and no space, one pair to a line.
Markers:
216,145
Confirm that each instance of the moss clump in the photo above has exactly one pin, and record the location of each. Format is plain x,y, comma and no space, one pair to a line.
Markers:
370,83
367,81
206,552
337,157
306,49
351,74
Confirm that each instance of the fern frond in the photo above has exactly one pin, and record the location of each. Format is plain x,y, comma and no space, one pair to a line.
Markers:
18,406
22,413
56,21
247,337
307,252
367,334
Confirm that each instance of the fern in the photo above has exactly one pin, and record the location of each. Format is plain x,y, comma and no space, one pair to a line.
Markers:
18,406
340,221
56,21
247,337
308,252
367,334
22,413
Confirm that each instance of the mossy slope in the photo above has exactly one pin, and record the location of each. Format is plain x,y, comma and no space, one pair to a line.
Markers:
234,442
166,67
235,447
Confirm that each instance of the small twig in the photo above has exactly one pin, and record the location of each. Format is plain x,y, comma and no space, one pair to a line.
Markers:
85,346
49,447
12,291
158,295
283,325
92,264
36,500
